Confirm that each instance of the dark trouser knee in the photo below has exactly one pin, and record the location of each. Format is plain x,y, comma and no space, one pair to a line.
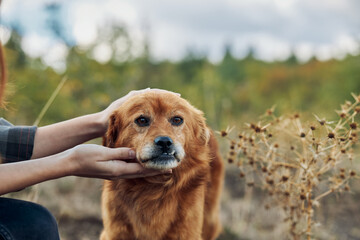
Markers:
26,220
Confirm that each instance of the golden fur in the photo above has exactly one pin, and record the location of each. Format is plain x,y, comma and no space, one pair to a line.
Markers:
183,205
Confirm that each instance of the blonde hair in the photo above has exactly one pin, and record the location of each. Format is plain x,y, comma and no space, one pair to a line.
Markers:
3,75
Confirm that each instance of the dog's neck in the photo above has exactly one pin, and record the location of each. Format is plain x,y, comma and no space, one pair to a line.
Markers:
161,179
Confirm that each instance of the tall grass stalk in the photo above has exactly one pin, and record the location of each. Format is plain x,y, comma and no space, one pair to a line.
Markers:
50,101
33,195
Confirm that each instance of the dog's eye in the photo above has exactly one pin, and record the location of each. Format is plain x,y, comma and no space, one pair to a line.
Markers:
142,121
176,121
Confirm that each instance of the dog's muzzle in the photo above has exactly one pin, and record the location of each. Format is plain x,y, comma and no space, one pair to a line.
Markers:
163,153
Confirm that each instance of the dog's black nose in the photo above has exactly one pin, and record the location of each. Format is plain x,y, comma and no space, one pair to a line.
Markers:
163,142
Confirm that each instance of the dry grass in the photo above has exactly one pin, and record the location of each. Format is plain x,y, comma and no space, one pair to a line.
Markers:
298,164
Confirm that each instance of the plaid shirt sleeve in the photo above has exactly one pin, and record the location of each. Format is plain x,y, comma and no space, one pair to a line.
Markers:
16,142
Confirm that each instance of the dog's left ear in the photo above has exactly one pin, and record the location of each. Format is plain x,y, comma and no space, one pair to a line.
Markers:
205,135
202,131
112,133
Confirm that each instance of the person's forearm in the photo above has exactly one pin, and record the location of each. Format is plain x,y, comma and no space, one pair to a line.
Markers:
58,137
19,175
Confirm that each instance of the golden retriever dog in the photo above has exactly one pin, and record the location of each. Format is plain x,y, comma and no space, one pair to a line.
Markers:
166,133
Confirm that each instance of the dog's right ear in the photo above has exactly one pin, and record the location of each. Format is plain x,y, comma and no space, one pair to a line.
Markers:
111,135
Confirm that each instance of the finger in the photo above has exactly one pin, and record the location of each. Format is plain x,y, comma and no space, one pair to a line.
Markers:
164,91
119,154
135,170
135,92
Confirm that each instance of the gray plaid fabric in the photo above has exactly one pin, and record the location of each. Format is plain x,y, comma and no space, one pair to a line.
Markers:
16,142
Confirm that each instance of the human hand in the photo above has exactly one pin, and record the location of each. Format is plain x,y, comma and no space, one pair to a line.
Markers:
95,161
105,115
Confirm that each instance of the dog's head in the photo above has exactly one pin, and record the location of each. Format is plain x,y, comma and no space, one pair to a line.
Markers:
163,129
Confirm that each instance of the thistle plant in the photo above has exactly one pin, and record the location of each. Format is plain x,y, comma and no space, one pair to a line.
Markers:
297,163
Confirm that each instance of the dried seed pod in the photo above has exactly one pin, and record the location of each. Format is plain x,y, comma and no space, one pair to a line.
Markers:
331,135
343,115
284,178
353,125
270,181
269,112
302,135
250,184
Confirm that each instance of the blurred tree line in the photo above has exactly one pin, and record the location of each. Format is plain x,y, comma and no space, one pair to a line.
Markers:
229,92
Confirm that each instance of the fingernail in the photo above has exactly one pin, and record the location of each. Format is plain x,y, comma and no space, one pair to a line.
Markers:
131,153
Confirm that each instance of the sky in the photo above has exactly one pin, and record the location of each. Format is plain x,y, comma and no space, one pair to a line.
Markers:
274,28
